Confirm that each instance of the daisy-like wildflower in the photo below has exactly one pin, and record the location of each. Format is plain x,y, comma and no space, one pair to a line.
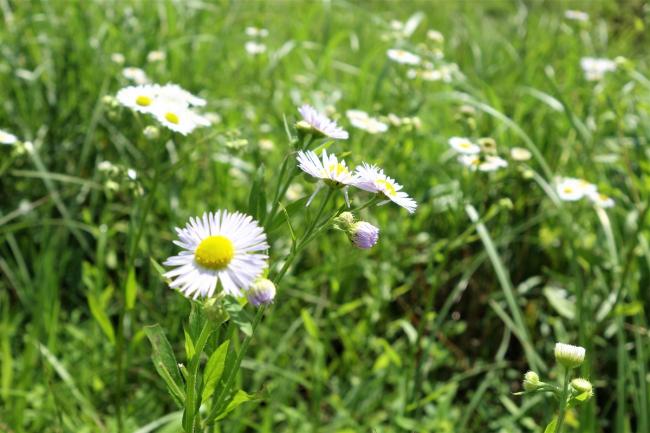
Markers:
600,200
402,56
7,138
262,292
139,98
174,93
569,356
328,169
492,163
576,15
361,119
254,48
595,68
178,118
137,75
464,145
255,32
470,161
321,123
118,58
372,179
220,247
572,189
520,154
156,56
435,36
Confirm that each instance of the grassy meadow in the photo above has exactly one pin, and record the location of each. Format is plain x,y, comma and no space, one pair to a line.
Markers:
430,330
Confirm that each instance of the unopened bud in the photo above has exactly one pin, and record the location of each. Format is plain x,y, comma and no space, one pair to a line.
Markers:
569,356
531,381
581,386
364,235
262,292
151,132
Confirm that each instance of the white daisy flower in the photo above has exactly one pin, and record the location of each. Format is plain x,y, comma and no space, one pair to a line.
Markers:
156,56
138,98
372,179
361,119
178,118
572,189
118,58
464,145
255,32
322,123
568,355
435,36
176,94
223,247
137,75
7,138
576,15
402,56
470,161
600,200
595,69
254,48
520,154
492,163
329,170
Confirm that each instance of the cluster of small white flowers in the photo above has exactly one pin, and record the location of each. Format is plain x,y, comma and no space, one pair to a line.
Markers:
331,171
404,57
574,189
472,157
596,68
574,15
170,104
362,120
255,47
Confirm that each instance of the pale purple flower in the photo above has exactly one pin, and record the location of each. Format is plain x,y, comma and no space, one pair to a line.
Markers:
322,123
364,235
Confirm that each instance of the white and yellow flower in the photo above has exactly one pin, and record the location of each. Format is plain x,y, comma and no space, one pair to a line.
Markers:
178,117
372,179
139,98
402,56
573,189
595,69
173,93
520,154
321,123
600,200
221,247
464,145
362,120
328,169
137,75
492,163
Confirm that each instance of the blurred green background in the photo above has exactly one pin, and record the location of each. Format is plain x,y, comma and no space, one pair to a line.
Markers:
432,329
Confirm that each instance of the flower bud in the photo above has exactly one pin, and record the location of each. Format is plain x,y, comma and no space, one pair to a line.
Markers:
262,292
214,310
363,234
531,381
569,356
581,386
151,132
344,221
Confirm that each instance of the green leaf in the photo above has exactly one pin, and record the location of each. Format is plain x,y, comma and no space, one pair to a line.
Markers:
239,398
189,345
550,428
214,370
257,197
131,290
98,311
165,362
238,315
310,325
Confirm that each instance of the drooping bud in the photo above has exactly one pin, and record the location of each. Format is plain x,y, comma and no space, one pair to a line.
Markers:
262,292
581,386
531,381
569,356
344,221
364,235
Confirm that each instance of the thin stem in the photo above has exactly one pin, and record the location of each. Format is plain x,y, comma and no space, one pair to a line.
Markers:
565,393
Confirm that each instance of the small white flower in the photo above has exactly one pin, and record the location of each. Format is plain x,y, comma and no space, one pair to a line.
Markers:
137,75
328,168
600,200
520,154
595,68
178,118
403,56
492,163
576,15
361,119
118,58
138,98
572,189
173,93
322,123
132,174
156,56
435,36
255,32
254,48
7,138
464,145
372,179
569,356
220,247
470,161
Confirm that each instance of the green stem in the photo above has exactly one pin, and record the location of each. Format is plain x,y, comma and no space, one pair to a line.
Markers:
563,398
191,408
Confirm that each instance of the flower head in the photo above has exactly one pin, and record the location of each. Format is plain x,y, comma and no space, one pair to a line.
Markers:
372,179
520,154
321,123
178,117
531,381
175,94
581,386
139,98
573,189
576,15
464,145
220,247
254,48
403,56
492,163
7,138
595,68
262,292
327,168
470,161
361,119
364,235
569,356
137,75
600,200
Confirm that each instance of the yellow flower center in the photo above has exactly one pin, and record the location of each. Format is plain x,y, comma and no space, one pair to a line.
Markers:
215,252
143,100
465,145
172,118
389,188
338,169
568,189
